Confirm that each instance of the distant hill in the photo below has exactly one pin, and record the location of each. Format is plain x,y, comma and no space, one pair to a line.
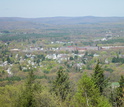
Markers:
26,23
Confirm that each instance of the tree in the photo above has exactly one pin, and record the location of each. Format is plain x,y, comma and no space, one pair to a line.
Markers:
46,99
99,78
8,60
61,85
120,93
8,96
71,58
26,99
88,94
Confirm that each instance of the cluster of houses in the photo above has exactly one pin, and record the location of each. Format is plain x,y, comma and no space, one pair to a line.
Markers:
61,42
8,69
3,63
58,57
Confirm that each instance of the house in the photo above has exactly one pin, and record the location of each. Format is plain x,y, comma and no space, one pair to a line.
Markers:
81,49
115,85
16,56
95,55
105,47
8,71
15,50
5,63
28,55
103,39
51,56
106,61
80,55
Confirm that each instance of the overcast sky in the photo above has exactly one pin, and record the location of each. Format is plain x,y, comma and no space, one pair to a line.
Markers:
52,8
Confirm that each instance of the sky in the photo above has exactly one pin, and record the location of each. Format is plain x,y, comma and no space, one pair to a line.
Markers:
56,8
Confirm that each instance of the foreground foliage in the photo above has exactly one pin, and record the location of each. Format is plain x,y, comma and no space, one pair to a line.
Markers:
87,93
99,78
61,85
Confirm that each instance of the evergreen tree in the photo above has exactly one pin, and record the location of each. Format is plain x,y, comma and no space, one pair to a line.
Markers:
61,85
8,59
99,78
120,93
88,94
26,98
112,96
35,95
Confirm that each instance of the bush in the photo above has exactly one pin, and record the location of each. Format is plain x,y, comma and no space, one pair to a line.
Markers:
109,69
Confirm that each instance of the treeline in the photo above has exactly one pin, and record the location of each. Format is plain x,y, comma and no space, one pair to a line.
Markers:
18,78
90,91
117,60
113,41
11,37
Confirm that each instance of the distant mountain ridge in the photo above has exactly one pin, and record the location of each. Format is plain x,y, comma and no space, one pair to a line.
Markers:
25,23
64,20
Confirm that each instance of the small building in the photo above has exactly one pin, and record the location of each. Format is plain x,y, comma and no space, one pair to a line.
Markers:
15,49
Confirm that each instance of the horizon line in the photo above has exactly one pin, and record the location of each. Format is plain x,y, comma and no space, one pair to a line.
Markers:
62,17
